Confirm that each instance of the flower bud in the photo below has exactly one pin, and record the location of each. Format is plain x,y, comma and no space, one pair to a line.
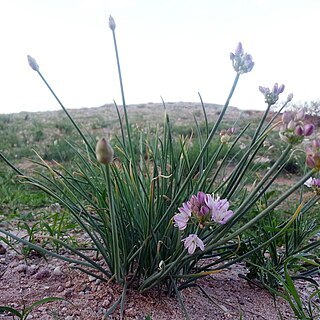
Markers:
281,88
263,90
33,63
225,138
310,161
300,115
290,97
291,125
308,129
239,49
112,24
287,117
104,151
316,144
275,88
299,131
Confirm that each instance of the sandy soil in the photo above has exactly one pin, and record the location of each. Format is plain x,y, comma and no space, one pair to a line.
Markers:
22,283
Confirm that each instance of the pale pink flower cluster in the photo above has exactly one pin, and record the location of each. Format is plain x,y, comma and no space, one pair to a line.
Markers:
293,128
203,209
312,183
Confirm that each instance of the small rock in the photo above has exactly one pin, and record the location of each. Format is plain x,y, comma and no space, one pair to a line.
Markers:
130,312
44,273
57,271
60,289
3,250
92,278
13,264
68,294
69,318
69,284
21,268
32,269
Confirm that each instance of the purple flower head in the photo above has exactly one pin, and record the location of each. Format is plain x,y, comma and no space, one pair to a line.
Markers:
272,96
192,242
242,62
219,210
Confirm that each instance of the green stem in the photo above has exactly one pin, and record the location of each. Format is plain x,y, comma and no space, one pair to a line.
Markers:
114,229
202,152
264,212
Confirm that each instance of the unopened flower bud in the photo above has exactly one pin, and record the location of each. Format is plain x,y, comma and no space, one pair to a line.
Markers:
225,138
281,88
239,49
299,131
275,88
316,144
290,97
308,129
310,161
300,115
104,151
287,117
33,63
291,125
112,24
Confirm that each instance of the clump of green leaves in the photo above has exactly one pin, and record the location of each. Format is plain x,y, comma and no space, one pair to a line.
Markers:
127,206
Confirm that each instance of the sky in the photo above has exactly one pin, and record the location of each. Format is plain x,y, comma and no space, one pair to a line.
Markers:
168,48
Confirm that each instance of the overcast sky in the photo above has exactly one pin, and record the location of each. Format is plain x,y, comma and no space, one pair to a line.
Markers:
168,48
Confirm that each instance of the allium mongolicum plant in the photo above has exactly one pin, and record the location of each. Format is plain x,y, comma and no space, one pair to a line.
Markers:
153,215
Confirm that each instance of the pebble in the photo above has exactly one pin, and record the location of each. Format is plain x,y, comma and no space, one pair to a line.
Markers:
13,264
44,273
92,278
21,268
69,318
57,271
3,250
68,293
69,284
60,289
32,269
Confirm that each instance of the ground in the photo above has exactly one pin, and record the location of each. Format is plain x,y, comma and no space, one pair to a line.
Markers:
24,282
